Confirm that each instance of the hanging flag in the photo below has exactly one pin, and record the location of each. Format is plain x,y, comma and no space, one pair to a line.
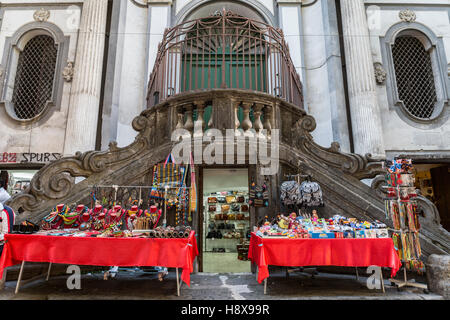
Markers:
193,193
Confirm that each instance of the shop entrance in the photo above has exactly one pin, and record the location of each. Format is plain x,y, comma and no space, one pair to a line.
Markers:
432,180
226,220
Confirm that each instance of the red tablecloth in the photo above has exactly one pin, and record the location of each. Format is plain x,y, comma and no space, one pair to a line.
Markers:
322,252
171,253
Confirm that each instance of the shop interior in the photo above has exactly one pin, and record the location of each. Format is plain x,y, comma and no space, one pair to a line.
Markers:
19,179
433,182
226,220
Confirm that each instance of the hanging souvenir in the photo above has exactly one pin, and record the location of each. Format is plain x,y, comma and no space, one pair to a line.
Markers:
311,194
168,173
54,219
290,194
131,216
70,217
258,195
193,191
98,219
84,218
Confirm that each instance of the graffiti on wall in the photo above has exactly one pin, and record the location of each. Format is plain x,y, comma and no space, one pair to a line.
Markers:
28,158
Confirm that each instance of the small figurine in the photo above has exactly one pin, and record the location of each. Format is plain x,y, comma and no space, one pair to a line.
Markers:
54,219
84,218
315,216
284,222
131,216
71,219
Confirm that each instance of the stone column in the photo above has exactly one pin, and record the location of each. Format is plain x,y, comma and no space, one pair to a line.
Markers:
365,113
84,102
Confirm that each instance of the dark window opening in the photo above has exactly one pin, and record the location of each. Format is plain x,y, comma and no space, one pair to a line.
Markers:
33,86
414,75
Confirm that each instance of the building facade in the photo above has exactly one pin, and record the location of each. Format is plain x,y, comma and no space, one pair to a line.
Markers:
372,75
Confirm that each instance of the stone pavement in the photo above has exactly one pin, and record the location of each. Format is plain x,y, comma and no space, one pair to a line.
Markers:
135,284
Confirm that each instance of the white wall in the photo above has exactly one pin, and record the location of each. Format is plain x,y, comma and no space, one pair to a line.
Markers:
49,136
316,82
133,77
399,135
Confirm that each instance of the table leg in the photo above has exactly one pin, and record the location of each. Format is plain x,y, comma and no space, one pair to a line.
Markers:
357,275
382,281
48,272
2,282
178,283
20,277
265,286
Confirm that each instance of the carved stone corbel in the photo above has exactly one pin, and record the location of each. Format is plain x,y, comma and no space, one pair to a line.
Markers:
41,15
407,15
68,72
380,73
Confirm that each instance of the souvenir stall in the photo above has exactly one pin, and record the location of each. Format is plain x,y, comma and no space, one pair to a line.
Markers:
303,238
401,209
129,224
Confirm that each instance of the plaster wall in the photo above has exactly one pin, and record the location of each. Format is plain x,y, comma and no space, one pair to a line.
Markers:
402,136
133,76
48,135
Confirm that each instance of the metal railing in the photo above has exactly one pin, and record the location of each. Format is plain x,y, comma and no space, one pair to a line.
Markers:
224,50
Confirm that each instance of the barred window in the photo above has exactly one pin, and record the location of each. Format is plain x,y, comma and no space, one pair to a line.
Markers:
35,75
414,74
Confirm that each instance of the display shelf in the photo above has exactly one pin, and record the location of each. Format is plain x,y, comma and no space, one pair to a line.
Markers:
411,199
239,226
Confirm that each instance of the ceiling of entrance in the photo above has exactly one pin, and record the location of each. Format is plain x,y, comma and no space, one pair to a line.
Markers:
215,180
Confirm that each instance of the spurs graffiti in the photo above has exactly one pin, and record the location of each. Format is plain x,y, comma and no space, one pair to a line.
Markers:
31,157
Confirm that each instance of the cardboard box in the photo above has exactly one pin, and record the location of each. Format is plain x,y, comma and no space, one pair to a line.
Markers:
322,235
370,233
349,234
360,234
339,235
382,233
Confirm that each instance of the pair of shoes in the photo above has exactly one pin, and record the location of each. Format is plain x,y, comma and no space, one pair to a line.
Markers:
162,274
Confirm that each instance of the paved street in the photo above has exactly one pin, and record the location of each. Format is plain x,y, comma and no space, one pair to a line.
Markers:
135,284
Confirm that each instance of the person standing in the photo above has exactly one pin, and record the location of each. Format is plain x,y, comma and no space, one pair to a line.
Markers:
7,217
4,195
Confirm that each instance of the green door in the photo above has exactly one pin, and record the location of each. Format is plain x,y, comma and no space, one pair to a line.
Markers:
205,71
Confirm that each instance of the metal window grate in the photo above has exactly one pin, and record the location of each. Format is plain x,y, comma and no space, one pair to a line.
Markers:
415,79
34,78
224,50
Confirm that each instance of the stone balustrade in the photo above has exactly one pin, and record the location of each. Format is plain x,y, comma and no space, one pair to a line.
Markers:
224,109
